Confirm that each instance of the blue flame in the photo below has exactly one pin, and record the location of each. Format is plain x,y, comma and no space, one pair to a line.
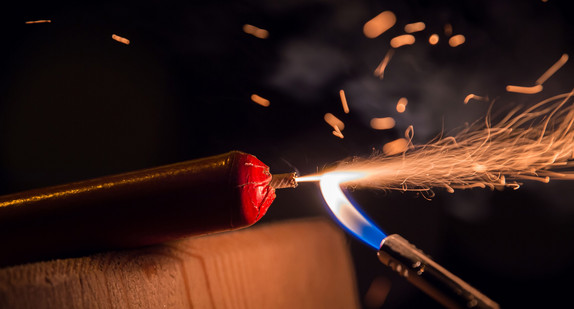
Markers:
348,215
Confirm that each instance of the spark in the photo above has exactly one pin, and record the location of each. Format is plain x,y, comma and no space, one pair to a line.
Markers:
259,100
383,123
527,144
522,89
448,29
344,101
121,39
433,39
41,21
474,97
334,121
415,27
379,24
402,105
380,70
337,133
456,40
255,31
402,40
397,146
555,67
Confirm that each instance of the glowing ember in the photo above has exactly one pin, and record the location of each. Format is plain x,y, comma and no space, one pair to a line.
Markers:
383,123
334,121
534,144
338,133
433,39
255,31
397,146
555,67
259,100
379,24
474,97
41,21
344,101
402,105
526,90
448,29
120,39
380,70
456,40
415,27
402,40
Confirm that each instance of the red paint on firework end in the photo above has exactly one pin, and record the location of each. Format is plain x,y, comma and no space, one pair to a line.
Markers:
256,195
139,208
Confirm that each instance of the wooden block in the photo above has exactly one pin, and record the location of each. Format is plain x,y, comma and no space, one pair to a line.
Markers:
293,264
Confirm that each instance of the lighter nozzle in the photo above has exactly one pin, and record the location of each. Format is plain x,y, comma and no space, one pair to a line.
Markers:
437,282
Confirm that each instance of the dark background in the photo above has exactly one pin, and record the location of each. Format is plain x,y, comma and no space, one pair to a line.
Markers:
76,104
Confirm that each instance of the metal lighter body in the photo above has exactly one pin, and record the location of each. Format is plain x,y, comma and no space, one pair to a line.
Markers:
437,282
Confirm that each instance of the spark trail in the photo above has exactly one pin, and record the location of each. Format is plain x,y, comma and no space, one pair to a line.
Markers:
534,143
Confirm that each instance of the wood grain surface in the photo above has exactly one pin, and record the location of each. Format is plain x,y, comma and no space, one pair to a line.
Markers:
292,264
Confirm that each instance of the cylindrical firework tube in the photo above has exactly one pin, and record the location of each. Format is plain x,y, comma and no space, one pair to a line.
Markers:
145,207
437,282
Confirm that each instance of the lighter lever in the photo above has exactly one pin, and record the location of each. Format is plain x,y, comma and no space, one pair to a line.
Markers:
437,282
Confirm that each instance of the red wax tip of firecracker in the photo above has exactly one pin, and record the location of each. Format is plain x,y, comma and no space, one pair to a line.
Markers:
256,194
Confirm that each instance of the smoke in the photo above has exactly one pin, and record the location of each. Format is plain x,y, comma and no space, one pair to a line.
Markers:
307,68
506,43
